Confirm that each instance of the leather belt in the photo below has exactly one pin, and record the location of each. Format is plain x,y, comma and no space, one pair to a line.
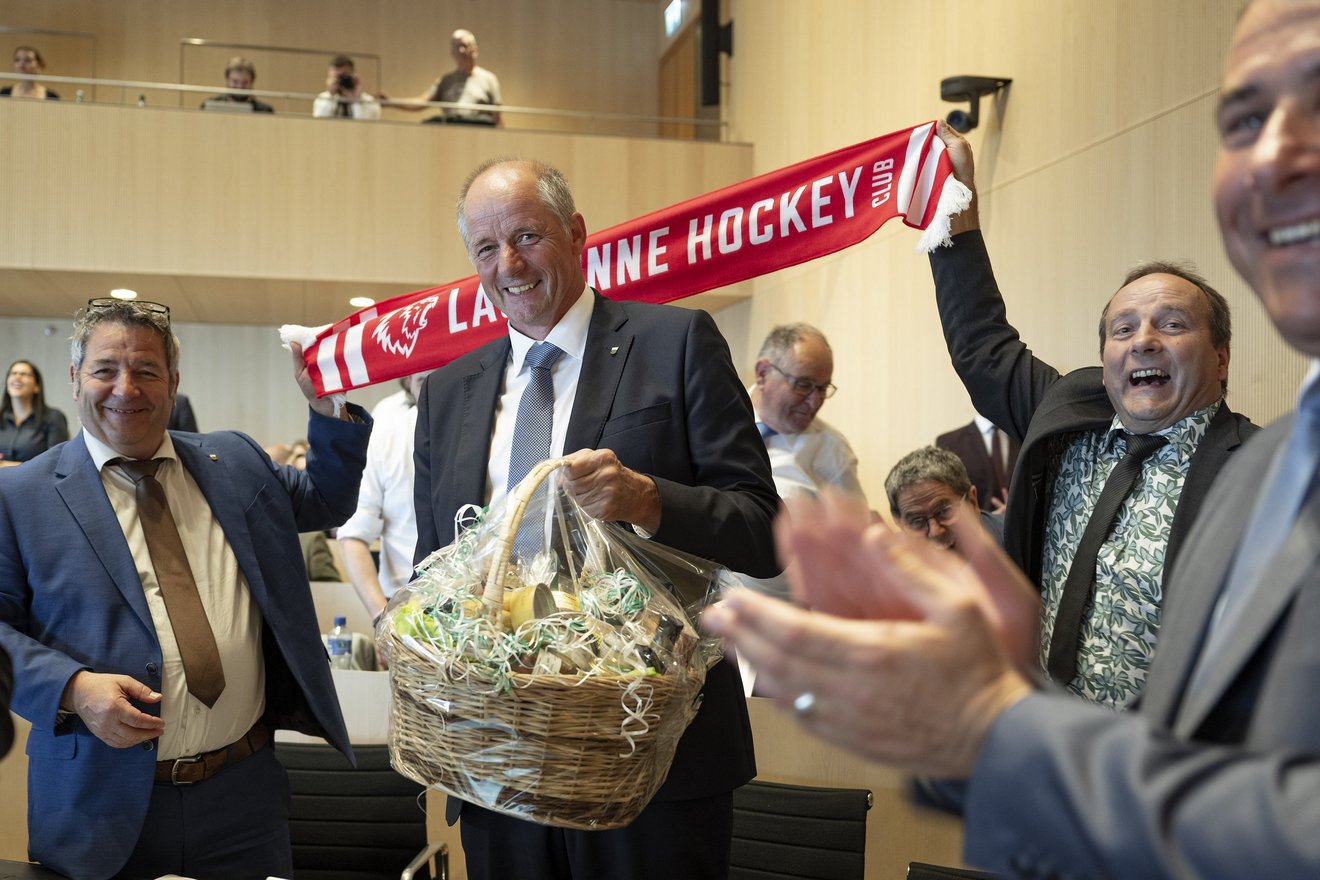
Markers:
196,768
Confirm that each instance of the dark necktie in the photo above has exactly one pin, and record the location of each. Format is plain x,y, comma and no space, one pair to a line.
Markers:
183,604
1077,588
998,479
536,412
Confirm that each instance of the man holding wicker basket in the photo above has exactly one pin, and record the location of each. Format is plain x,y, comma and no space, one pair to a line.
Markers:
665,442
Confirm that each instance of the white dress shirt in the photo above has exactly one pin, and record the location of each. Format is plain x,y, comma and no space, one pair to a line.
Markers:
327,105
389,407
570,336
809,461
988,429
385,501
190,727
805,462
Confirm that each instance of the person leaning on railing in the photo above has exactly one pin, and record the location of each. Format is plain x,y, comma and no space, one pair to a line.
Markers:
28,60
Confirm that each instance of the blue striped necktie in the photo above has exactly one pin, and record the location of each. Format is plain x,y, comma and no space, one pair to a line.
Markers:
1286,488
536,413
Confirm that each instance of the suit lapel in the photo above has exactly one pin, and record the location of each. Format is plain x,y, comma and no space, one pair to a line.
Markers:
213,475
1269,599
1065,411
1201,574
79,484
974,444
1221,438
608,344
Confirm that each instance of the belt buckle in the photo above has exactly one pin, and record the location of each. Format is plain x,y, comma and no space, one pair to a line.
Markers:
174,770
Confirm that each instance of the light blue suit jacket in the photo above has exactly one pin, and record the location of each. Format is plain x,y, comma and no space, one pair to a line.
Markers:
70,599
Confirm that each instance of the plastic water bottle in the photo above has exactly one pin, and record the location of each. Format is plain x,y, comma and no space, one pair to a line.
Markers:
340,642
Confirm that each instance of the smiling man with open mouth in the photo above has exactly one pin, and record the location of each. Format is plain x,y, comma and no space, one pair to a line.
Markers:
1115,459
1165,352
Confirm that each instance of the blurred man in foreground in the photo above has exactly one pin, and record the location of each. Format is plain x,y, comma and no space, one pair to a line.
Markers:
1218,775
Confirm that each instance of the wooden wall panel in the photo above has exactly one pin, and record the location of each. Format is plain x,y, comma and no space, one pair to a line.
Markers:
1098,156
117,188
13,796
253,222
236,376
678,82
599,55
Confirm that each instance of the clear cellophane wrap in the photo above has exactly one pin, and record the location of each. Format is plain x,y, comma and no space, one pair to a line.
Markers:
545,664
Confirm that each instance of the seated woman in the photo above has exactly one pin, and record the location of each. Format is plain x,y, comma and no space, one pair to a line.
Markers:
27,426
28,60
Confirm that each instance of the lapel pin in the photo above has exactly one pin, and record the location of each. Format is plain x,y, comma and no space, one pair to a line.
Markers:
214,457
614,349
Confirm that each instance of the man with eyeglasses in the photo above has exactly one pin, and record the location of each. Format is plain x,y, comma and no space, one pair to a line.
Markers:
794,370
793,380
1115,460
929,490
155,604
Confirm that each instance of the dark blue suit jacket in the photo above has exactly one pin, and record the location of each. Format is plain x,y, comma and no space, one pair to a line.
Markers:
70,599
658,388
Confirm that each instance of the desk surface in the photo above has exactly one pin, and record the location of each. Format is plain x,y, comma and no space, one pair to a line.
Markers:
25,871
896,831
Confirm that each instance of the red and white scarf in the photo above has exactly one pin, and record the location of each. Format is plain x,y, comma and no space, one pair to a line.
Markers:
799,213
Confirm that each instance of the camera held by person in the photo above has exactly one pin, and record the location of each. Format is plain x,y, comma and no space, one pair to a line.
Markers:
343,95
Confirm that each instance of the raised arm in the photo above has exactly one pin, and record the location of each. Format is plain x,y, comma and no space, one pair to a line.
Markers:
1004,379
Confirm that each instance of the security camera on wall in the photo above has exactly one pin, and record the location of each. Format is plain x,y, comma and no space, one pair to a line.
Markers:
968,88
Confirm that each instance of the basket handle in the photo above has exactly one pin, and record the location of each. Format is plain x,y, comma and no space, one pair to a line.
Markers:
492,595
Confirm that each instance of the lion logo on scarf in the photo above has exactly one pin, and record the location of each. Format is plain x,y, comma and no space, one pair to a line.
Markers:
412,321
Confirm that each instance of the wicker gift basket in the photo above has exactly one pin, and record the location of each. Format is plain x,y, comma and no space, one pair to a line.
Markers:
545,664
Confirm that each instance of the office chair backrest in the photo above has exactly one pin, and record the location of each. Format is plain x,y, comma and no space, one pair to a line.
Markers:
365,823
796,831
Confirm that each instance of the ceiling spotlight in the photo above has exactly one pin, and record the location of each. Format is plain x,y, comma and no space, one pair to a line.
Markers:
969,88
361,302
123,293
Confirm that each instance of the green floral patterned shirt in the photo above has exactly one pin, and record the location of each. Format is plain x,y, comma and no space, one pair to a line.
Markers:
1121,622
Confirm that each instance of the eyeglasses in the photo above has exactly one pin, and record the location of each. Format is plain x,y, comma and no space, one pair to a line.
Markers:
945,516
803,387
105,302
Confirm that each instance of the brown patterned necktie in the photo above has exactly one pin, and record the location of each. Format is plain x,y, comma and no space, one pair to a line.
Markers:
192,631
